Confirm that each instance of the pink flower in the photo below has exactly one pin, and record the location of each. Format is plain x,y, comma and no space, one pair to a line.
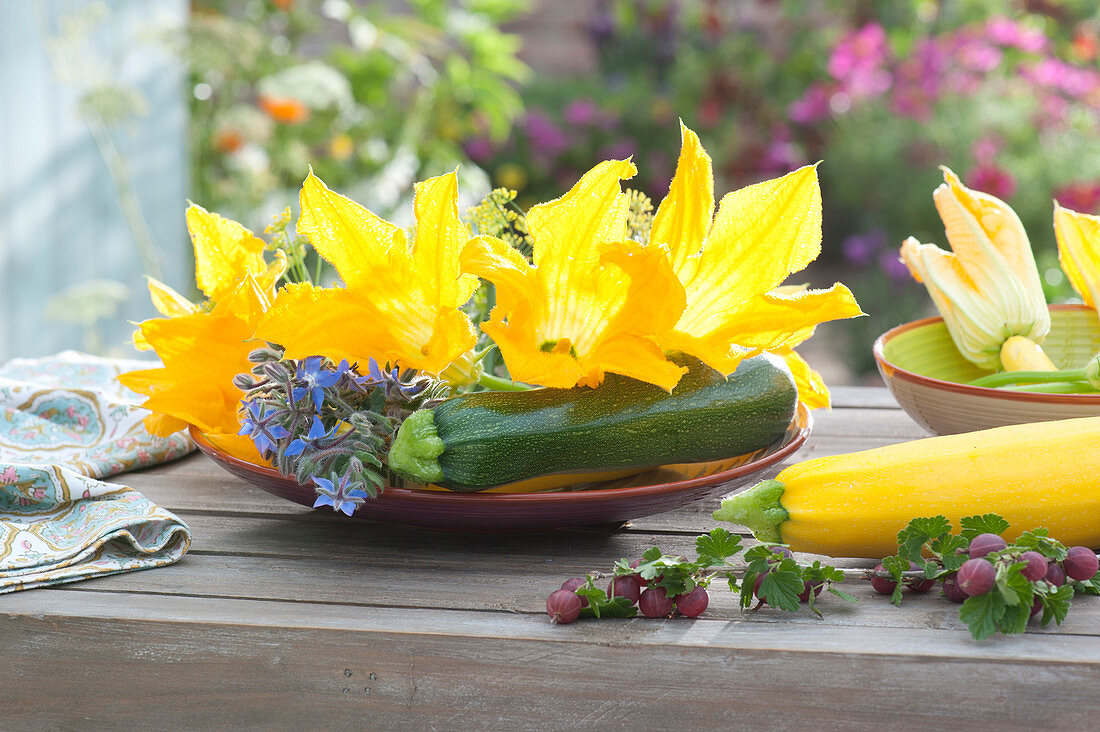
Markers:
1007,32
479,149
1083,197
581,112
1055,74
985,149
811,107
991,179
858,51
8,475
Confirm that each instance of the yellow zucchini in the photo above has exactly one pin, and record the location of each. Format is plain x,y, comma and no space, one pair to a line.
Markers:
1041,474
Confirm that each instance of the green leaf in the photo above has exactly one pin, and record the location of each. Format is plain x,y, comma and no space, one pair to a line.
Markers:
651,554
1087,587
747,584
982,614
719,543
1056,604
616,607
920,531
895,566
843,595
1039,541
1015,589
758,552
781,588
989,523
947,549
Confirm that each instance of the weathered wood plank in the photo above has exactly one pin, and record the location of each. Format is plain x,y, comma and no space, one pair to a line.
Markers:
514,585
283,664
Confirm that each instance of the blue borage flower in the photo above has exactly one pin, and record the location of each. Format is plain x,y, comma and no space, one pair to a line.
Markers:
317,378
257,425
338,493
317,434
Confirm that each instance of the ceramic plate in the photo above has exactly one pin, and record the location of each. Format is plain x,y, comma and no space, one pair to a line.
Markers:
927,375
612,502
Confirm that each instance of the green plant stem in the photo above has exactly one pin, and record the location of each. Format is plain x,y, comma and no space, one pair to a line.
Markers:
1004,378
1056,387
496,383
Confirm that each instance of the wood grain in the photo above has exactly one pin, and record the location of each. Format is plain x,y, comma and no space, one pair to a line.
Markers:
283,617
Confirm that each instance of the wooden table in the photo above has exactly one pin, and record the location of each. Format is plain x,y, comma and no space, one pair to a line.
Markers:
285,617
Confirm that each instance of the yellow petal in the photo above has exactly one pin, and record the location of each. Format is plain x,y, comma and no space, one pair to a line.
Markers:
269,278
1078,237
684,216
994,253
239,446
225,252
167,301
551,368
440,237
811,387
568,231
774,319
308,321
655,297
761,234
202,353
412,295
976,325
347,235
635,356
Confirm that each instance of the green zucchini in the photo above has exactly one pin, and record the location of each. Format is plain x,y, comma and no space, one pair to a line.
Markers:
475,441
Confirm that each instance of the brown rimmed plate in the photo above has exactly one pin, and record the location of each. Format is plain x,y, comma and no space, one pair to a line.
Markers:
927,375
613,502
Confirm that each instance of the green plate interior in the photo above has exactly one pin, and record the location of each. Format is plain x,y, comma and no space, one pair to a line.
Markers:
929,351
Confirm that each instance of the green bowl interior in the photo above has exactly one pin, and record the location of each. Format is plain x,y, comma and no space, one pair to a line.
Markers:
928,350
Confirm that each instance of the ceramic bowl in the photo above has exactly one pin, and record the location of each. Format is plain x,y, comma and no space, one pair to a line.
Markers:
927,375
613,502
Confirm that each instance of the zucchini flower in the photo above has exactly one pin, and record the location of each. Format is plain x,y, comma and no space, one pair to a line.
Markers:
1078,237
987,288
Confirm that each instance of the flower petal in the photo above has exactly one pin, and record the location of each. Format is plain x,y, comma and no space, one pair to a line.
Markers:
351,238
774,319
1078,237
761,234
308,320
684,216
568,231
225,252
811,387
655,298
995,255
977,327
167,301
635,356
440,237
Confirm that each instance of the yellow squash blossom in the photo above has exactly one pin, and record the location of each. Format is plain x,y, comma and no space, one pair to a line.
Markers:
987,288
730,266
201,353
399,304
225,254
1078,237
574,314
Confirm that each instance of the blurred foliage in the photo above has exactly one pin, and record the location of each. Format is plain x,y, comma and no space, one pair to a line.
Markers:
1005,92
374,96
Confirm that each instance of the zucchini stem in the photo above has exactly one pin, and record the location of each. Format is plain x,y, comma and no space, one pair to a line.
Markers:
1006,378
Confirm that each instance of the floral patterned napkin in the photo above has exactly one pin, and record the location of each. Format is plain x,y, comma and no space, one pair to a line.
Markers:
64,422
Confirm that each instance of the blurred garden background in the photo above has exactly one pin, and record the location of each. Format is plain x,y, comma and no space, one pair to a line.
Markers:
115,113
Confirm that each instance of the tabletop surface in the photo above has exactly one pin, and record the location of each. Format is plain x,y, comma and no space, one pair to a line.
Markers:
281,617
